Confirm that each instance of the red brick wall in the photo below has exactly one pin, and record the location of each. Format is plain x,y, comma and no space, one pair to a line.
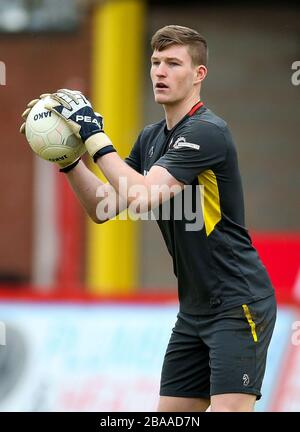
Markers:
35,63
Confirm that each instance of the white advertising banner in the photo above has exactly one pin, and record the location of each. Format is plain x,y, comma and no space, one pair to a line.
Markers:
98,357
77,358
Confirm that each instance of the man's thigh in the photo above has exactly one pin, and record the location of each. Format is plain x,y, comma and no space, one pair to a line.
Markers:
185,371
238,342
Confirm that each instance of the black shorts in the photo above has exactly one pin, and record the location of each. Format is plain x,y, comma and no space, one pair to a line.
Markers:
217,354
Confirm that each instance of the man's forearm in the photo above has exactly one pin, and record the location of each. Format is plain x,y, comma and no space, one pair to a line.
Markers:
100,200
85,184
145,192
115,169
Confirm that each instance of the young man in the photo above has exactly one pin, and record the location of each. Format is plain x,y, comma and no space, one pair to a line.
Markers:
217,351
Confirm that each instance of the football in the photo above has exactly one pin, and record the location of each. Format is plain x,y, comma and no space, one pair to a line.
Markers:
50,137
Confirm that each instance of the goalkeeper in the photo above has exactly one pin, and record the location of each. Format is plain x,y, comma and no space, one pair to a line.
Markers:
218,348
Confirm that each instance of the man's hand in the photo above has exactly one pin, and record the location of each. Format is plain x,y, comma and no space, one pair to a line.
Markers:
29,106
77,111
64,167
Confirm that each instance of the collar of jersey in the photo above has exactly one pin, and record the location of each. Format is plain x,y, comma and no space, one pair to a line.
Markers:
192,111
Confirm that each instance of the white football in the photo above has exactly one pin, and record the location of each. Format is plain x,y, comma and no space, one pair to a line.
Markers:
50,137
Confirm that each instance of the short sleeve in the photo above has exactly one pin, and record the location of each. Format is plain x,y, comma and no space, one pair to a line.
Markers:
194,149
134,158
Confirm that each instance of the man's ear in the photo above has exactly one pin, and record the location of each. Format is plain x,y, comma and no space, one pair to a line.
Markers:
200,74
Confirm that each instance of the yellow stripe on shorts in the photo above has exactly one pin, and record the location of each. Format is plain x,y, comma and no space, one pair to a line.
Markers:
250,321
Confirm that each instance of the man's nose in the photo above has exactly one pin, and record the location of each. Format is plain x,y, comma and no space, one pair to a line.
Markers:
161,70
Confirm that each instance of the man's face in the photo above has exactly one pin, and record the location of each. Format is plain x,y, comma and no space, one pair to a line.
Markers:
173,74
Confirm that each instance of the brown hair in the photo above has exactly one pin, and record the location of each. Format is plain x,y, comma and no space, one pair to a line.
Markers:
178,35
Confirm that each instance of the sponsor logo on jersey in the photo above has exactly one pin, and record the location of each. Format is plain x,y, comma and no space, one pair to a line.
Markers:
181,142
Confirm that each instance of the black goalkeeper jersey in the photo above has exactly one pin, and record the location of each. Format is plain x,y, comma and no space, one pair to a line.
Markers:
214,261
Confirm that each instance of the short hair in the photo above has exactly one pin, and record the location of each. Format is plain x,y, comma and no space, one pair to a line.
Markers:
179,35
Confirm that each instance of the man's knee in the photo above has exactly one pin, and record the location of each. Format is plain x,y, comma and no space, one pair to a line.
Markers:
233,402
183,404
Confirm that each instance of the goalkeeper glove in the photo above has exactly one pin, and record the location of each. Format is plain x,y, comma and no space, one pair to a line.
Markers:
62,164
86,124
29,106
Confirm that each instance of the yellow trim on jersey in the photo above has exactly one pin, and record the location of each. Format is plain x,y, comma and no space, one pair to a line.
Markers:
210,200
250,321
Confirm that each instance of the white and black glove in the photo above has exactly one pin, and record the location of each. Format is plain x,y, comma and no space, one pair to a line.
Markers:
29,107
77,111
62,164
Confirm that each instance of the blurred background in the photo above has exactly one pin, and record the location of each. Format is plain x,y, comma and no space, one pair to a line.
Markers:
88,309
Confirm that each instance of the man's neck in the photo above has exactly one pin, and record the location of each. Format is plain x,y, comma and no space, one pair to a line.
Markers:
175,112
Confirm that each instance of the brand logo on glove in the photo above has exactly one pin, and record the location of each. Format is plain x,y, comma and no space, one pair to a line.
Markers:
87,119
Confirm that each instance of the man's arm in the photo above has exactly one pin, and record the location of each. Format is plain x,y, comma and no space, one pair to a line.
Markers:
87,187
146,192
90,190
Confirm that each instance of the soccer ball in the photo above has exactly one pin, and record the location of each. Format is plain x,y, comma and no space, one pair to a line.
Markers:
50,137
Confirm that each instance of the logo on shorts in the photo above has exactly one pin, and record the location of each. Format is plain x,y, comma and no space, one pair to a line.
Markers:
246,380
